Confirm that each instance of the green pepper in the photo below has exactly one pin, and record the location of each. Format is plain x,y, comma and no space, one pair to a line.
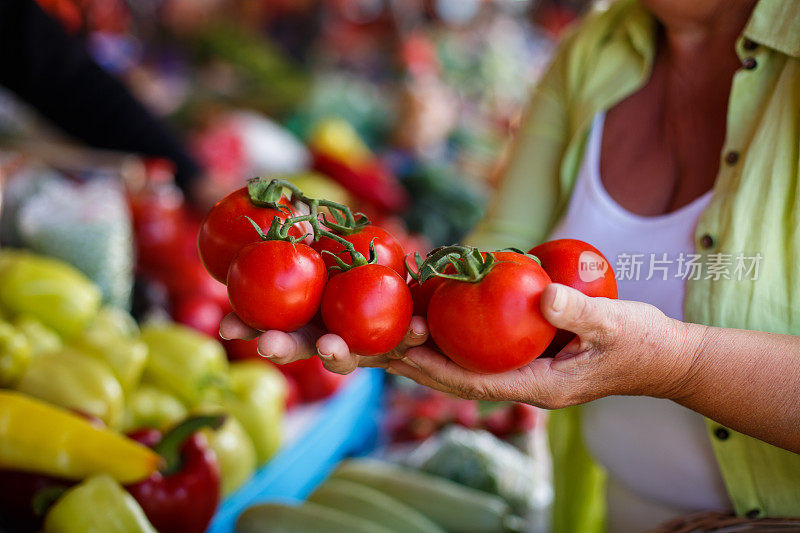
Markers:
112,337
75,381
115,321
151,407
184,362
15,354
235,452
41,338
98,505
257,398
49,290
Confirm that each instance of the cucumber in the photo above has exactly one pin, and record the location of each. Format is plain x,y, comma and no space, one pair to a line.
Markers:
365,502
306,518
451,506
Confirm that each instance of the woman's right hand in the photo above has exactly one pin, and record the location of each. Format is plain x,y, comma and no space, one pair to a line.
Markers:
281,347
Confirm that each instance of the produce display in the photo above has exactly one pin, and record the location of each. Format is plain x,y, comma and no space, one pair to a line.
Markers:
149,427
457,481
426,503
414,414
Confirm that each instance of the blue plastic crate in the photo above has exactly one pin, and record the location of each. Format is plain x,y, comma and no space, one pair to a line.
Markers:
346,424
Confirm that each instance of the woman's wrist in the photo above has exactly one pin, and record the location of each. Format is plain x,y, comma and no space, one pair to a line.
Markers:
680,366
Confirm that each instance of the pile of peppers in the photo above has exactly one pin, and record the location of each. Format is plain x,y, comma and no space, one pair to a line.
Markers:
149,428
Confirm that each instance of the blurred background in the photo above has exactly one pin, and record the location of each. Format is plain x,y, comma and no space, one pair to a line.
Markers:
402,109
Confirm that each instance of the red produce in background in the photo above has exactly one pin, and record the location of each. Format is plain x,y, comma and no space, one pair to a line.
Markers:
158,216
313,380
18,493
183,496
200,313
370,180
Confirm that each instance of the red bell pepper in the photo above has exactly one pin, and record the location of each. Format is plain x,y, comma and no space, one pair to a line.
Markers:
314,381
370,181
183,496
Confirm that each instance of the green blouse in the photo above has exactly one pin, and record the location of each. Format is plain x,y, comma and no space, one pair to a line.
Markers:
755,209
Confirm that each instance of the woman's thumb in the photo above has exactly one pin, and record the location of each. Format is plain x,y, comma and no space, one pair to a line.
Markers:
569,309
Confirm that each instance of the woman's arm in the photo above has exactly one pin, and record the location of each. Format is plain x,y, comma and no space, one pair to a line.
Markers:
746,380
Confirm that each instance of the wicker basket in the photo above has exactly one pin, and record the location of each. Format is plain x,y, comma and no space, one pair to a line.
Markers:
725,523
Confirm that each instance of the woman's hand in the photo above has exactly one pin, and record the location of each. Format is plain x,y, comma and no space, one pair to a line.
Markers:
622,347
281,347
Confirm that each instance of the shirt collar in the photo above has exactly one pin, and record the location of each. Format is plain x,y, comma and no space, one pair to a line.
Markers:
776,24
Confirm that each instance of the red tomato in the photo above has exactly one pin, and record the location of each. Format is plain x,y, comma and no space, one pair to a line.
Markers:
225,231
369,307
387,250
421,294
493,325
578,265
276,285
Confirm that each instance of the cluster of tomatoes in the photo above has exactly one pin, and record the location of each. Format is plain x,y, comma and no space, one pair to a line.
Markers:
303,271
286,265
483,309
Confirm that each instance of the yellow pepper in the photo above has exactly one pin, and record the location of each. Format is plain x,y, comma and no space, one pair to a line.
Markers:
112,337
235,453
15,354
184,362
38,437
98,505
51,291
76,381
41,338
151,407
338,139
257,399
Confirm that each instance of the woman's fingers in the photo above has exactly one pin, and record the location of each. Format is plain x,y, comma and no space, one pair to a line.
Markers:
416,335
231,327
281,347
400,368
452,378
335,354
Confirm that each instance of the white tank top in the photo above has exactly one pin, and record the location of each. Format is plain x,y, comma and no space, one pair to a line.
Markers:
657,453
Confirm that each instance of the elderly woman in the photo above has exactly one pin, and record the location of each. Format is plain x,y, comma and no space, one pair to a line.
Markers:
664,130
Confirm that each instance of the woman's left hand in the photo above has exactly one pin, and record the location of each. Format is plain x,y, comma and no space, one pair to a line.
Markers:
621,347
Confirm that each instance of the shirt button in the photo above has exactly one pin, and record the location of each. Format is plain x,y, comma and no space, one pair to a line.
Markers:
750,63
753,513
721,433
706,241
749,45
732,157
